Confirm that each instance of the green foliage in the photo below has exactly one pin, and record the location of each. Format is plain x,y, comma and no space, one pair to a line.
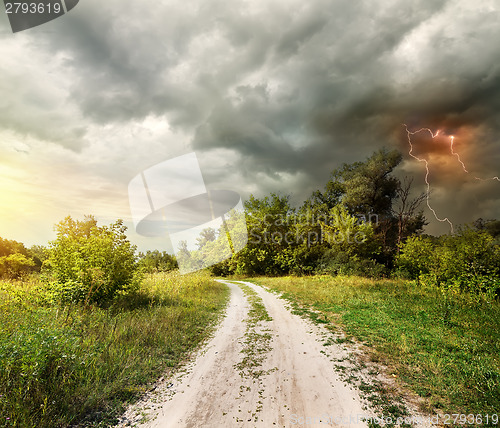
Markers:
416,257
156,261
336,262
490,226
351,246
16,260
468,261
326,234
15,265
214,245
207,235
90,263
352,216
270,239
282,240
346,233
369,187
363,187
8,247
80,366
40,255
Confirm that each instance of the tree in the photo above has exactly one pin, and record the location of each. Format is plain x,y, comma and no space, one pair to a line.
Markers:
467,261
490,226
16,260
321,202
268,222
156,261
8,247
369,186
417,256
15,265
347,234
367,190
40,255
269,238
91,263
206,235
409,219
362,187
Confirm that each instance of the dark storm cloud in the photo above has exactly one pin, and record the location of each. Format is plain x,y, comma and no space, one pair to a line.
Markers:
123,56
290,88
327,63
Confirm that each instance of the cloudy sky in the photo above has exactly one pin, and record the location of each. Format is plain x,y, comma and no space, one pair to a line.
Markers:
271,96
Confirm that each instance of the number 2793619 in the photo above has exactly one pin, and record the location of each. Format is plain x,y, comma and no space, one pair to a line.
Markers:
32,8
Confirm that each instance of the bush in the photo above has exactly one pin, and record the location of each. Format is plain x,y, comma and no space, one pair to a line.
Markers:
79,367
416,257
91,264
15,260
341,263
15,265
156,261
467,262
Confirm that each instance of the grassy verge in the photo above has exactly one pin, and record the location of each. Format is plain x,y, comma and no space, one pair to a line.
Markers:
71,366
445,347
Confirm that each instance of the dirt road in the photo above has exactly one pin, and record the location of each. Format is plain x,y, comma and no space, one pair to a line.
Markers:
257,372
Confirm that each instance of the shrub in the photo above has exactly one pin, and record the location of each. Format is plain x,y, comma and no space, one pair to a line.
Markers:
15,265
156,261
91,263
416,256
468,261
341,263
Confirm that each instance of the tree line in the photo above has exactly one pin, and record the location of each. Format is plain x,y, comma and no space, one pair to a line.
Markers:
364,221
355,224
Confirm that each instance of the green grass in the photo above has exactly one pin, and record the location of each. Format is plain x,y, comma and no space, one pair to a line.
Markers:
444,347
76,366
257,340
256,344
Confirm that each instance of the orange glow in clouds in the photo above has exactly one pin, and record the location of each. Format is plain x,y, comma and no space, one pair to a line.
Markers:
427,172
410,135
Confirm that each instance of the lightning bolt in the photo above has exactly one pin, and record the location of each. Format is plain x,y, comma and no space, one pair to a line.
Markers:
427,172
487,179
452,138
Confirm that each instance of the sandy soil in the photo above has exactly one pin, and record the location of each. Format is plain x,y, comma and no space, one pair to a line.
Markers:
296,383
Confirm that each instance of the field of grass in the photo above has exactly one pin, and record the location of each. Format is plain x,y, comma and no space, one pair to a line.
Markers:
77,366
444,347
